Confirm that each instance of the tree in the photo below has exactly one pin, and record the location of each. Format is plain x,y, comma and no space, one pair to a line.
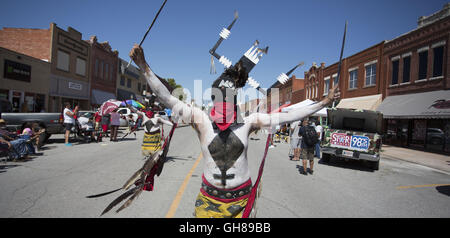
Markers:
181,95
173,84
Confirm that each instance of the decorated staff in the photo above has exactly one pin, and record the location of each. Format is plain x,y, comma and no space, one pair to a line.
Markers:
151,25
336,82
143,179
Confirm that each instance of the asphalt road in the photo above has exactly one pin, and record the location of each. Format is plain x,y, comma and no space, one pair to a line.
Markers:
56,183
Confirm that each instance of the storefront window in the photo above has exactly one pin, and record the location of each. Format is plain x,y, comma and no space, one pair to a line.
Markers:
419,133
4,93
435,135
447,136
397,132
430,135
40,103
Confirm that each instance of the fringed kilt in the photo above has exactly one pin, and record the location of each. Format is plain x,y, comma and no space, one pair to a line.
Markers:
222,203
151,143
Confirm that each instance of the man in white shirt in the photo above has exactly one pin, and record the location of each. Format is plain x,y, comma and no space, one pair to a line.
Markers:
319,130
69,121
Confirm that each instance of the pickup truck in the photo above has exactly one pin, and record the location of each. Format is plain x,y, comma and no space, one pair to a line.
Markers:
353,134
52,122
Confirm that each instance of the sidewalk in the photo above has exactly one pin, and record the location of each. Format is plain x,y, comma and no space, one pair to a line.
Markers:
433,160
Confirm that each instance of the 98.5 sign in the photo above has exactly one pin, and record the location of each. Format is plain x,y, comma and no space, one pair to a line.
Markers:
360,142
342,140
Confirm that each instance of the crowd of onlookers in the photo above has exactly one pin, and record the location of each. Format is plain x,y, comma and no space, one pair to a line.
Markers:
97,126
19,145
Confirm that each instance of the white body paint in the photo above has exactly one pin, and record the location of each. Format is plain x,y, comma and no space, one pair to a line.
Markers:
203,126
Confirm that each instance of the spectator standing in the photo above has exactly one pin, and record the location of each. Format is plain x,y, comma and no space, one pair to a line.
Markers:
131,125
115,123
97,119
319,130
295,140
69,121
106,119
139,120
273,130
309,140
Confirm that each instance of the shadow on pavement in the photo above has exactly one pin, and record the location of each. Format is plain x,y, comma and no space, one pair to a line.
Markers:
46,147
174,158
350,164
444,189
4,167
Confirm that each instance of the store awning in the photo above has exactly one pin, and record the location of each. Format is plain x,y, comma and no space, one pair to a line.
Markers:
125,95
366,103
99,97
321,113
434,104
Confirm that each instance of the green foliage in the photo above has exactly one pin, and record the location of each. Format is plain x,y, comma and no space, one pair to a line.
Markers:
173,84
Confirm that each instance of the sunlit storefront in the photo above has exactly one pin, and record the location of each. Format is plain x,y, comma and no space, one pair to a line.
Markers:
420,120
24,81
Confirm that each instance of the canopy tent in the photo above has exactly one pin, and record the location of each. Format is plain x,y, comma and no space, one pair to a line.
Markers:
280,108
320,113
362,103
435,104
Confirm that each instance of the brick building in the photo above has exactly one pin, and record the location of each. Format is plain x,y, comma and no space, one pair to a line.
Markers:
130,83
406,78
416,71
360,84
298,90
103,71
67,54
24,81
286,93
313,78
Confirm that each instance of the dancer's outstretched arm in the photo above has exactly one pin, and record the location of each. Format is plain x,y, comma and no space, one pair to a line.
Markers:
260,120
160,120
180,109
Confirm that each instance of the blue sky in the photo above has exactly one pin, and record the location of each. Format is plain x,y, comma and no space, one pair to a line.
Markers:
178,44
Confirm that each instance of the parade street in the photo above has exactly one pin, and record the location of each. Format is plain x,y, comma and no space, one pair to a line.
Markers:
56,183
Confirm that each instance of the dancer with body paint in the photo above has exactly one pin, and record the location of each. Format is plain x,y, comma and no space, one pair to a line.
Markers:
223,134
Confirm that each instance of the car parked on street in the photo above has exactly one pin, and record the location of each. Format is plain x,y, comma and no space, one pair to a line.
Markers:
125,112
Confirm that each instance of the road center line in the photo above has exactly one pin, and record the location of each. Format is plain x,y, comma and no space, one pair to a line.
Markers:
176,201
422,186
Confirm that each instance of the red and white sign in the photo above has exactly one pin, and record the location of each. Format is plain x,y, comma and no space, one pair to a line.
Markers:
341,140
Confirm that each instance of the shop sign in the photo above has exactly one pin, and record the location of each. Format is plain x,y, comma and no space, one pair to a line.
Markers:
72,44
17,71
75,86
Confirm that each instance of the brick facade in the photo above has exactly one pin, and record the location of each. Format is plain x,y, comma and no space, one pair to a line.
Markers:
33,42
423,39
285,93
103,66
69,77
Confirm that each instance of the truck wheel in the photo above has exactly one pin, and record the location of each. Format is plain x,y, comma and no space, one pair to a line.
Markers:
375,165
326,158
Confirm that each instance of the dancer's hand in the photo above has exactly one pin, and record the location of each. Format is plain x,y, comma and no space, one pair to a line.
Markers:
333,94
137,55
